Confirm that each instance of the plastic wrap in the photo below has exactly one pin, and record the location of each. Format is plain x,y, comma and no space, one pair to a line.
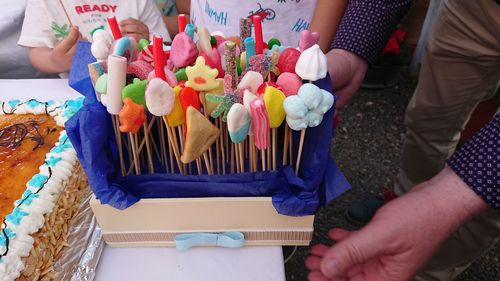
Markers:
79,261
91,133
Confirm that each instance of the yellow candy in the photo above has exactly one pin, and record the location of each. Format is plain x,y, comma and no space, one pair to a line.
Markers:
176,117
243,60
210,106
201,77
274,98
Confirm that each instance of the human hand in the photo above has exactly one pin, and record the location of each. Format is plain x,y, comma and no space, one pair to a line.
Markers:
347,71
134,28
62,54
401,237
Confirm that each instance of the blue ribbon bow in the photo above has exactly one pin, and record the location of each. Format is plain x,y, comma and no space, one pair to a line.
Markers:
232,239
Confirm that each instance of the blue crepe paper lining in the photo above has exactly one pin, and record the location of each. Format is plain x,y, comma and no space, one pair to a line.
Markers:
91,133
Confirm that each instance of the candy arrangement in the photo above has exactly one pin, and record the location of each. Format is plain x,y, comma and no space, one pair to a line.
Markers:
209,104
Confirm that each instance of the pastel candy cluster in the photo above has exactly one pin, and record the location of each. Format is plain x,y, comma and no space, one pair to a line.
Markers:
306,109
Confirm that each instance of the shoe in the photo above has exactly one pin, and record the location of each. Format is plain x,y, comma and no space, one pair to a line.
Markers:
360,213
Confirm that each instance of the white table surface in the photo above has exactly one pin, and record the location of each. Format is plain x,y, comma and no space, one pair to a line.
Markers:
152,264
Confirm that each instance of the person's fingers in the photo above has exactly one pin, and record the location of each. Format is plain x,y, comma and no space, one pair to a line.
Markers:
316,276
319,250
350,252
70,41
338,234
312,263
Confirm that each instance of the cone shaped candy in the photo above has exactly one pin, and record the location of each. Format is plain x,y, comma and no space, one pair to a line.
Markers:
200,135
312,64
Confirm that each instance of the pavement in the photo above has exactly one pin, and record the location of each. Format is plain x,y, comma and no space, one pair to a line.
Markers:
367,149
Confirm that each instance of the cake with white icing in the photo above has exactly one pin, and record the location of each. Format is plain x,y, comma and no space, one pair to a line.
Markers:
41,185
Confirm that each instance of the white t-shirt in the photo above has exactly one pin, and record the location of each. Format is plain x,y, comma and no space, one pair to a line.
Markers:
282,19
46,22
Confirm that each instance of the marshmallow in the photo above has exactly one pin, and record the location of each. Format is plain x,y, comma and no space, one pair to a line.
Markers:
251,81
183,52
260,123
238,123
312,64
159,97
289,83
117,74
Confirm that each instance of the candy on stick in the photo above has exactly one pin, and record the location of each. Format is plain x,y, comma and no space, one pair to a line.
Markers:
259,40
308,39
181,22
117,72
159,57
208,106
289,83
249,49
273,99
263,86
213,60
230,57
176,116
306,109
115,28
288,59
260,63
245,30
224,102
260,127
238,123
201,77
139,69
190,30
101,84
101,45
183,51
273,42
143,43
200,135
203,43
132,116
159,97
251,81
169,76
135,91
189,97
146,54
312,64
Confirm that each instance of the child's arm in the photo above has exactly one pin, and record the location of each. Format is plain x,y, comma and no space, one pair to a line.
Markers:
326,19
183,7
58,59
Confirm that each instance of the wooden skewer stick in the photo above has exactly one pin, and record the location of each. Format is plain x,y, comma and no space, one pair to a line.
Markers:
268,150
210,170
180,131
217,149
164,159
223,155
199,167
118,138
232,158
172,142
285,146
301,145
263,159
274,148
66,12
148,147
242,157
134,152
290,145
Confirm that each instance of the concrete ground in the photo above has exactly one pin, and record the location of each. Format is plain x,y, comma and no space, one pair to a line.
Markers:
367,147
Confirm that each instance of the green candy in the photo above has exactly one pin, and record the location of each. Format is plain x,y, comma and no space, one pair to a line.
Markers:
181,75
143,43
238,66
101,85
272,42
135,91
213,41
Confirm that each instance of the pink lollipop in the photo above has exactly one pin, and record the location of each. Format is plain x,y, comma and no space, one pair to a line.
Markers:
260,123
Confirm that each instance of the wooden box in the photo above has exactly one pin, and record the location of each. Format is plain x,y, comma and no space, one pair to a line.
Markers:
156,222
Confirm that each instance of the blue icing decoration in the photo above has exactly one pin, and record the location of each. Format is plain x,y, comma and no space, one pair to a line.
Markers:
28,197
63,136
50,103
38,180
52,161
16,216
72,107
13,103
60,148
10,235
32,103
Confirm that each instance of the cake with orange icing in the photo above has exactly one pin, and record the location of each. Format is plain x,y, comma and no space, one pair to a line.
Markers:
41,185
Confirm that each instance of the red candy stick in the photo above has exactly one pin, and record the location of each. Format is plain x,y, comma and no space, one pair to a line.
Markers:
159,57
181,21
115,28
259,41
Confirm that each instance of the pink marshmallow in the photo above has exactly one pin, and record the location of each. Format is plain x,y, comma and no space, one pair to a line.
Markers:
184,51
289,83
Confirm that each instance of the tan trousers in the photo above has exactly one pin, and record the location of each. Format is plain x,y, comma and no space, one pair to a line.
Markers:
460,68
